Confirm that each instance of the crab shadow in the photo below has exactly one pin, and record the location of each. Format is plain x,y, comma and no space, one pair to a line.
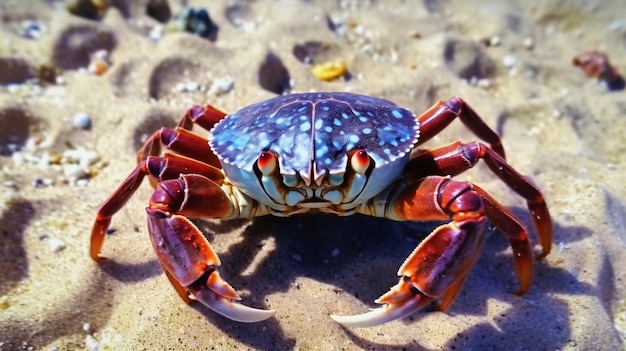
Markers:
358,256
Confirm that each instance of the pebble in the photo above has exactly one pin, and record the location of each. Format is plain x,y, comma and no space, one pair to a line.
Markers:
82,121
509,61
55,244
4,303
495,40
81,156
32,29
91,343
529,43
329,71
156,33
484,83
186,87
73,172
221,86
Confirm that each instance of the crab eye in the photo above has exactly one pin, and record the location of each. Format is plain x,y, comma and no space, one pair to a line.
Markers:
360,161
266,162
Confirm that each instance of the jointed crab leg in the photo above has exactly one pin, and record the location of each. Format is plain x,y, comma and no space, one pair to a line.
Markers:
438,266
181,140
442,113
456,158
167,167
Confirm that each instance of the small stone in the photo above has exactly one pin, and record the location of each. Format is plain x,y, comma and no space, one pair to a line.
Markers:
74,172
156,33
484,83
86,327
91,343
4,303
38,182
82,121
55,244
495,40
509,61
186,87
221,86
32,29
529,43
81,156
329,71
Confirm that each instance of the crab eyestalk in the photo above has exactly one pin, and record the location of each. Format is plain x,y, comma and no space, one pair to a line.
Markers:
360,161
267,163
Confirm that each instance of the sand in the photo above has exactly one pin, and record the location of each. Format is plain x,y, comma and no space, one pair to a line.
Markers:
510,61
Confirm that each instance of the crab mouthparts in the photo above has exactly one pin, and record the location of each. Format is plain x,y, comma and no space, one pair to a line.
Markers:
314,202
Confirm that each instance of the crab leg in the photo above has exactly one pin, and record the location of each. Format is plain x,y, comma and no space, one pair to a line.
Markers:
186,255
456,158
442,113
440,264
160,168
182,140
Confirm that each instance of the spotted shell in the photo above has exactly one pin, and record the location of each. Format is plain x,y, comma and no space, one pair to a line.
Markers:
312,134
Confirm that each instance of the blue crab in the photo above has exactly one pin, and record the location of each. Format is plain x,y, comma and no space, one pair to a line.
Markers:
335,153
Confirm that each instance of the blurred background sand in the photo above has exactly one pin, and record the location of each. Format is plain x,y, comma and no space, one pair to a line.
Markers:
79,95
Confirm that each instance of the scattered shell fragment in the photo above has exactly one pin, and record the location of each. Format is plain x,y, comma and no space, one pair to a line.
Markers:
329,71
99,62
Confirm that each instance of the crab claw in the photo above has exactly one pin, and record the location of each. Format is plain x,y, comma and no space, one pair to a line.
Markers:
436,269
227,306
401,301
191,265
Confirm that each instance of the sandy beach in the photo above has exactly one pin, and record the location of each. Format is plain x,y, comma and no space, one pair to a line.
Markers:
82,89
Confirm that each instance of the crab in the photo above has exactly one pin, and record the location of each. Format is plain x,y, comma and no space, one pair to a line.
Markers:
337,153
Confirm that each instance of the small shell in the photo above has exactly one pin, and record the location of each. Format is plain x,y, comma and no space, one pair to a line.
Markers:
99,62
329,71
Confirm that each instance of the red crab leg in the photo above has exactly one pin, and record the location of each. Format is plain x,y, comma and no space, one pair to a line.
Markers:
181,140
441,114
186,255
438,266
167,167
457,158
